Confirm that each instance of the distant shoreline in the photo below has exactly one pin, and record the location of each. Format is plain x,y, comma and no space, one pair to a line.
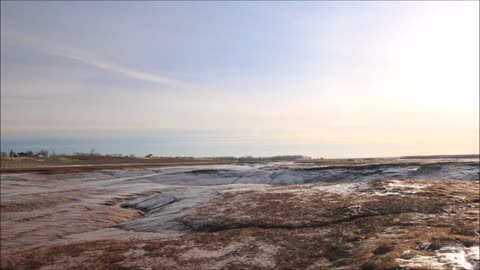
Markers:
441,156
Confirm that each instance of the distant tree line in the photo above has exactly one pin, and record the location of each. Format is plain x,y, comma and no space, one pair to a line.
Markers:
93,154
40,153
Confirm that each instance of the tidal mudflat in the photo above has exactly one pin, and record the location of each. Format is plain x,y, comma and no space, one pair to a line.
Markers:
387,214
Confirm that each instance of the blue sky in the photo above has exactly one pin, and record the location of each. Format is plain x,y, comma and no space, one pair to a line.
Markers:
334,79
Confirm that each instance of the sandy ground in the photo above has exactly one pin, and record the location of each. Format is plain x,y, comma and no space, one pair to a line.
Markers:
257,216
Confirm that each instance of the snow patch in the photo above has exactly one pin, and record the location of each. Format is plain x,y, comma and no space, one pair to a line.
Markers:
238,188
458,258
397,187
136,251
339,189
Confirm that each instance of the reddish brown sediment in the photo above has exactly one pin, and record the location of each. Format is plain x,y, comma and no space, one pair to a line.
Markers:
75,168
384,224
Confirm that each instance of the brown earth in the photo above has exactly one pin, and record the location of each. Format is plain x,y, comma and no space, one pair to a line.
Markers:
85,163
72,164
375,225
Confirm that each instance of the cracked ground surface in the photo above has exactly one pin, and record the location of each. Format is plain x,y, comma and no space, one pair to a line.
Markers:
132,220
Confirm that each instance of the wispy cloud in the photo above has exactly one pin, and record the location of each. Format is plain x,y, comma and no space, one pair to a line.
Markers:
102,64
78,55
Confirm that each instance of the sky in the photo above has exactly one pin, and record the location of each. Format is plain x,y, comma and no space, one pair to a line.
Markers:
323,79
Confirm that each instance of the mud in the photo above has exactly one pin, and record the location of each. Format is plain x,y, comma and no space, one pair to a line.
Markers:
254,216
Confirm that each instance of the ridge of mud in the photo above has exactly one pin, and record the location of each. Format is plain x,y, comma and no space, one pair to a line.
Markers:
151,204
383,165
442,232
291,207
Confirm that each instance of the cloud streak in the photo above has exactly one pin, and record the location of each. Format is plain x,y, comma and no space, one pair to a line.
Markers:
96,62
101,64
